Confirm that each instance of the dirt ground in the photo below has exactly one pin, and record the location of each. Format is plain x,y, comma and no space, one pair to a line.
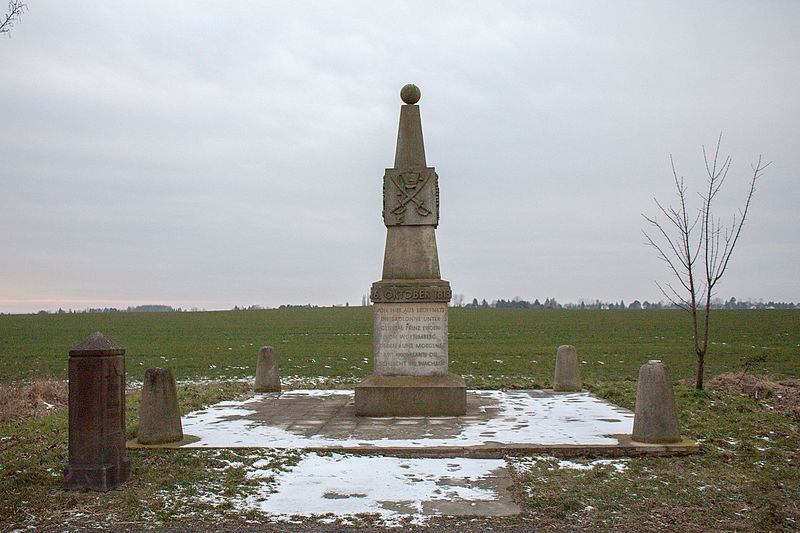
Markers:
782,396
23,401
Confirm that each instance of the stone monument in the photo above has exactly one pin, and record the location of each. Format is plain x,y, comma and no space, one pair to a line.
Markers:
411,375
159,414
268,379
655,419
567,376
97,456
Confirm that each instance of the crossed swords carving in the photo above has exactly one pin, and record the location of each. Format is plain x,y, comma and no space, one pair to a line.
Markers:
408,192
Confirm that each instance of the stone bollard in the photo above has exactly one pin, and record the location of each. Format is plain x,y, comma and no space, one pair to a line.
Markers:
97,456
567,378
159,416
655,420
267,377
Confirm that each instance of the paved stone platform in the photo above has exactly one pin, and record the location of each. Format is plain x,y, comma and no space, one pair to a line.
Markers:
410,468
497,424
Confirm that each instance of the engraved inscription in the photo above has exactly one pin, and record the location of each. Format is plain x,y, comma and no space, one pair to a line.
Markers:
410,197
410,339
398,292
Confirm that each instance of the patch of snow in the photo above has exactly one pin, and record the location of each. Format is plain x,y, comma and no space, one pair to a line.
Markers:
552,463
521,417
390,487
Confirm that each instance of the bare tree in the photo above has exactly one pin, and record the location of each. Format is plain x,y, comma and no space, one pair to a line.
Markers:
15,9
697,246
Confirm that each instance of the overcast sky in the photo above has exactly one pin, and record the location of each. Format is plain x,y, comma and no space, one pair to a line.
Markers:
200,154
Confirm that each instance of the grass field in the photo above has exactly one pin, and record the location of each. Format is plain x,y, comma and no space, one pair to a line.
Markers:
746,478
491,347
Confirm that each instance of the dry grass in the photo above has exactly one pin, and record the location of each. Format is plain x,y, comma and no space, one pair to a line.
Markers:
782,396
18,402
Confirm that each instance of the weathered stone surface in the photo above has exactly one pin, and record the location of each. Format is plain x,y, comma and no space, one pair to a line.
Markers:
567,376
410,149
410,94
411,290
268,378
96,344
410,339
410,197
411,396
655,420
159,415
410,253
97,456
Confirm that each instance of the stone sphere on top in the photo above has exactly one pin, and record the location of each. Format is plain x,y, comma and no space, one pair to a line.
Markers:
410,94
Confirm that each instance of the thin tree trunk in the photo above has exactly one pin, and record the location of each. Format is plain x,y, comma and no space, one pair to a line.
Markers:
700,362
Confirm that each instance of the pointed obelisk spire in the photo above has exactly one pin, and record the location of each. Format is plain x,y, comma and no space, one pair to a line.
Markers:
410,201
410,152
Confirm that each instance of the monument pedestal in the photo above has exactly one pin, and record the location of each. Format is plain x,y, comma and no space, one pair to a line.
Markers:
410,352
411,396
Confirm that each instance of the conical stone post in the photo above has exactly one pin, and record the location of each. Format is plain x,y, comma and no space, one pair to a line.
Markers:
410,352
159,416
567,376
267,377
655,420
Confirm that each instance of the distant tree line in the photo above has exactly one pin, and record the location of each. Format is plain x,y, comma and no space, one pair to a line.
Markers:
129,309
551,303
515,303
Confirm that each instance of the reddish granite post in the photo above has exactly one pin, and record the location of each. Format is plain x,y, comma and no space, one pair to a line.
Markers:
97,456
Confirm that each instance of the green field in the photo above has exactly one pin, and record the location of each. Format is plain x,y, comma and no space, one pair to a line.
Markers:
746,478
490,347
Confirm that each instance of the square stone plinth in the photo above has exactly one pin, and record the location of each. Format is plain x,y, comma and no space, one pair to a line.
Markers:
410,339
411,396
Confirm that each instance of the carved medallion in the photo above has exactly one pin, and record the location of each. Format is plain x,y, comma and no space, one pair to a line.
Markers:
410,197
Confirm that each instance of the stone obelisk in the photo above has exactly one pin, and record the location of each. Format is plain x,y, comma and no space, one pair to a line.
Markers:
410,377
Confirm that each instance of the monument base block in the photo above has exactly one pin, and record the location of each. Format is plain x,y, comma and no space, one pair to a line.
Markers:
411,396
103,477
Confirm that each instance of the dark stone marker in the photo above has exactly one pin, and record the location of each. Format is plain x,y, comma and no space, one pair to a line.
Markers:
97,456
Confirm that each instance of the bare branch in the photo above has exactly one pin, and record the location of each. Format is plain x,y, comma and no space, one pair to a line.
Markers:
672,245
666,258
677,301
758,170
15,10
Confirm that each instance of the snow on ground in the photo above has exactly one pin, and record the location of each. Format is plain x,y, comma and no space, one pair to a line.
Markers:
384,491
392,488
512,417
547,462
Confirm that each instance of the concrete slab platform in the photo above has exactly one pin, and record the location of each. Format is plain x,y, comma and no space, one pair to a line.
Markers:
390,487
496,424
